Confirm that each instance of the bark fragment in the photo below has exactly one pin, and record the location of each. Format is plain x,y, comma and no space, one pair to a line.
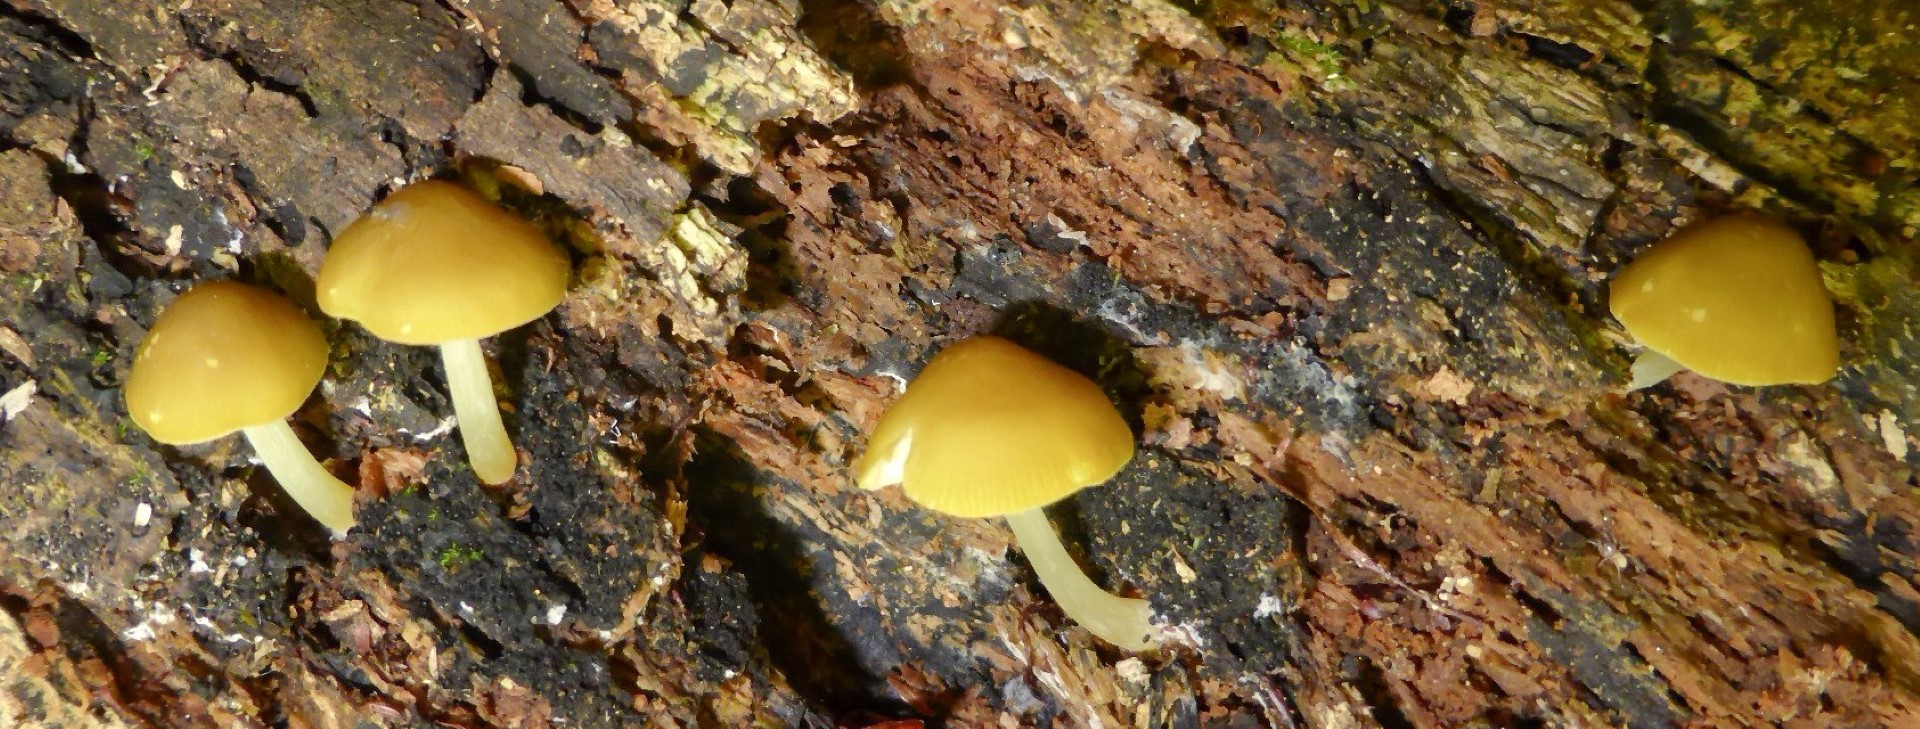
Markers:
1339,266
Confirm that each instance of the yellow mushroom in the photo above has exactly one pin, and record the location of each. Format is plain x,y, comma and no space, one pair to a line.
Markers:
227,356
436,264
990,429
1738,299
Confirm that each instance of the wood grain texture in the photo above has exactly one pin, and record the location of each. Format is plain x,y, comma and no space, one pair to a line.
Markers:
1341,266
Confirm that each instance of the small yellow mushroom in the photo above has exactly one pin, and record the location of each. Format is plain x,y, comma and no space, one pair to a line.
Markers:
1738,299
436,264
991,429
227,356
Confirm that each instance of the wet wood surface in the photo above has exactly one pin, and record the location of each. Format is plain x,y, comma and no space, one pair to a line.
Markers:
1341,265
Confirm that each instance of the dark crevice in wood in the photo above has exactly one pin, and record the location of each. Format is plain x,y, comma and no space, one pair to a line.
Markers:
1703,126
530,96
851,34
44,28
1536,272
1372,683
102,214
811,649
1569,56
244,68
85,638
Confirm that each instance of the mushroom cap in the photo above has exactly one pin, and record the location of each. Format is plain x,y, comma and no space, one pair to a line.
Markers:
989,428
435,262
1738,299
222,357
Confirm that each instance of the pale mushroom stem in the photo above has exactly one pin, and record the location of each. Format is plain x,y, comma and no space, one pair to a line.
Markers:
324,497
1651,368
489,450
1121,621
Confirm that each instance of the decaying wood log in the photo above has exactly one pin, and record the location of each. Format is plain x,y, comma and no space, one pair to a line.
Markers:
1341,264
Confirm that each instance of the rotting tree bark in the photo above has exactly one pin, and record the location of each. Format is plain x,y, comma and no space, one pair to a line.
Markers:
1341,263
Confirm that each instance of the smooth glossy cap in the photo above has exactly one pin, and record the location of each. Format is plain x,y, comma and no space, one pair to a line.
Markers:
222,357
989,428
1738,299
435,262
